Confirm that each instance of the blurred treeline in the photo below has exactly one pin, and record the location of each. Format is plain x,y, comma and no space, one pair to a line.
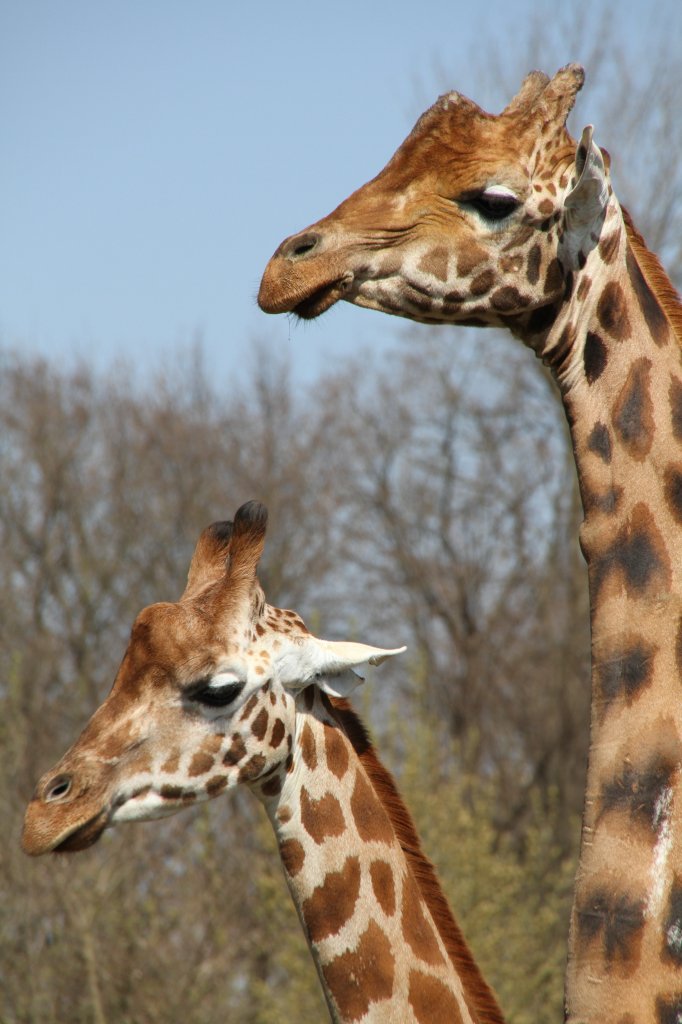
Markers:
426,499
426,506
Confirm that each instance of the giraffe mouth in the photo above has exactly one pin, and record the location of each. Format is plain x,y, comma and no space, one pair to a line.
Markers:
84,835
322,299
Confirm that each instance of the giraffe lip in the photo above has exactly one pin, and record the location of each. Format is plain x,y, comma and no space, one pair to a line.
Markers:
322,299
84,835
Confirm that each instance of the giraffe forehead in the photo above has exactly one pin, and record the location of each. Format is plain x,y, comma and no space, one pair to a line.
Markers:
166,634
462,135
173,645
178,641
403,193
453,171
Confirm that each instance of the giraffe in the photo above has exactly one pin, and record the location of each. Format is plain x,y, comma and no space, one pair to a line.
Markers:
221,688
503,220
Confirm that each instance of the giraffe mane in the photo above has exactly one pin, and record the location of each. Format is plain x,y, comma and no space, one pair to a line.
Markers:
655,276
478,994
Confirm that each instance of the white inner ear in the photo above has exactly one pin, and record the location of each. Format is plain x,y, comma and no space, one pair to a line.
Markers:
500,192
585,204
341,684
327,663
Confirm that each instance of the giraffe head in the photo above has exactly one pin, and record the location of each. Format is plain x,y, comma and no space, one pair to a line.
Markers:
476,219
205,698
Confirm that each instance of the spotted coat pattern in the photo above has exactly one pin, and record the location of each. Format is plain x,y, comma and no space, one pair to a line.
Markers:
378,951
559,263
221,689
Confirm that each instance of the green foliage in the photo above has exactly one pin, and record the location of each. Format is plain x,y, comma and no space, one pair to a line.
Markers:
284,985
511,892
102,494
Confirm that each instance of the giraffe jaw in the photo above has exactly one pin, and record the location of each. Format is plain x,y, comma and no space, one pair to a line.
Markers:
39,837
307,293
323,298
85,835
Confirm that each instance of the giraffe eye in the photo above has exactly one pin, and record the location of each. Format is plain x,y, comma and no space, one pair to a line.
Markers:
59,788
214,693
494,203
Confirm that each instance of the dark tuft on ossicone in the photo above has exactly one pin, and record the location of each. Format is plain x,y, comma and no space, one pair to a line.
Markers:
252,517
221,531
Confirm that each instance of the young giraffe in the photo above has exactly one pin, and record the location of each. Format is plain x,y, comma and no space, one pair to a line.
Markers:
220,689
499,220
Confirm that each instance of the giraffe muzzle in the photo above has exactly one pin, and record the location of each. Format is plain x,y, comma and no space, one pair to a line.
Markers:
304,277
69,811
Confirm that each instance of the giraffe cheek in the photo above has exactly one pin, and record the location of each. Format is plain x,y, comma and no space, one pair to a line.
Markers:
149,804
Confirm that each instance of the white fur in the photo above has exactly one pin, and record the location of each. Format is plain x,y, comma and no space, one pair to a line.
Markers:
327,663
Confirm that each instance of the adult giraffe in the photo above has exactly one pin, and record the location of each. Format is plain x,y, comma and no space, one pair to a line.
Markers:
220,688
501,220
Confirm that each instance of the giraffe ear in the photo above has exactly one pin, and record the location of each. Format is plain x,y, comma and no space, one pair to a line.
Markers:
585,204
328,664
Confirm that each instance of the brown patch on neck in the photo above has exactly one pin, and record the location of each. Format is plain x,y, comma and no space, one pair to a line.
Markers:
323,817
363,976
479,996
332,904
308,747
655,276
637,558
431,1001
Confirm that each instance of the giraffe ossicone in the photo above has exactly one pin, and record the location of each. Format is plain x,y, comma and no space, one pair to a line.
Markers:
504,220
220,689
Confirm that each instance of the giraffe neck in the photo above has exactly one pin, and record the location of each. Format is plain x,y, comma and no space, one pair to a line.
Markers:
617,355
384,943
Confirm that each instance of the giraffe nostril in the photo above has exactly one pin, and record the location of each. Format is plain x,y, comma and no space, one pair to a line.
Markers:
58,788
301,245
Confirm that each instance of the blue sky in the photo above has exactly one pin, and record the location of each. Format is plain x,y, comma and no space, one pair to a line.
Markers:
155,152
